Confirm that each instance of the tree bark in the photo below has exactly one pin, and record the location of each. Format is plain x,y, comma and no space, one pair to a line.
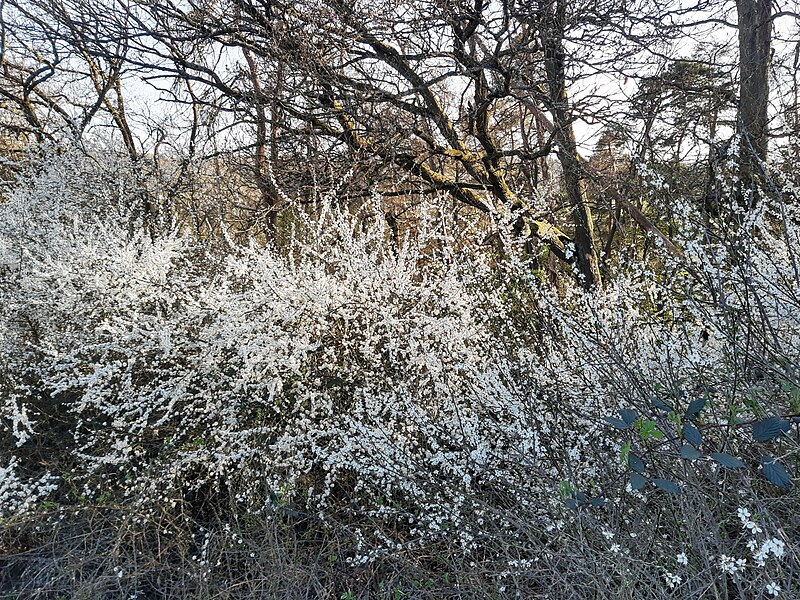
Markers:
552,34
755,36
269,201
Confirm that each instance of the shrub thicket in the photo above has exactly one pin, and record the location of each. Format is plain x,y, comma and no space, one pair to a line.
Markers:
345,418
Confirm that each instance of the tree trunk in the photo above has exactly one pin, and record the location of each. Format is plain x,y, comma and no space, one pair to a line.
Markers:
552,34
755,36
269,200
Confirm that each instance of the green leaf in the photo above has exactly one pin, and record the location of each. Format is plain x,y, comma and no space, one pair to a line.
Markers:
770,428
637,481
668,486
726,460
616,422
628,415
659,404
695,406
689,452
648,429
623,453
692,434
775,473
635,462
794,395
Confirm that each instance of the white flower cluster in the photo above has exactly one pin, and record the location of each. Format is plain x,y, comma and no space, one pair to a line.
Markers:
19,494
672,579
731,565
747,523
773,589
256,372
424,392
774,546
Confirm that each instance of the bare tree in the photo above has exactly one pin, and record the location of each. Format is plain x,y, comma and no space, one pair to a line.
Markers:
477,99
429,87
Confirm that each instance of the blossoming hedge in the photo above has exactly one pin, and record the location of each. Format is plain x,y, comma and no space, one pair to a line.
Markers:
433,420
